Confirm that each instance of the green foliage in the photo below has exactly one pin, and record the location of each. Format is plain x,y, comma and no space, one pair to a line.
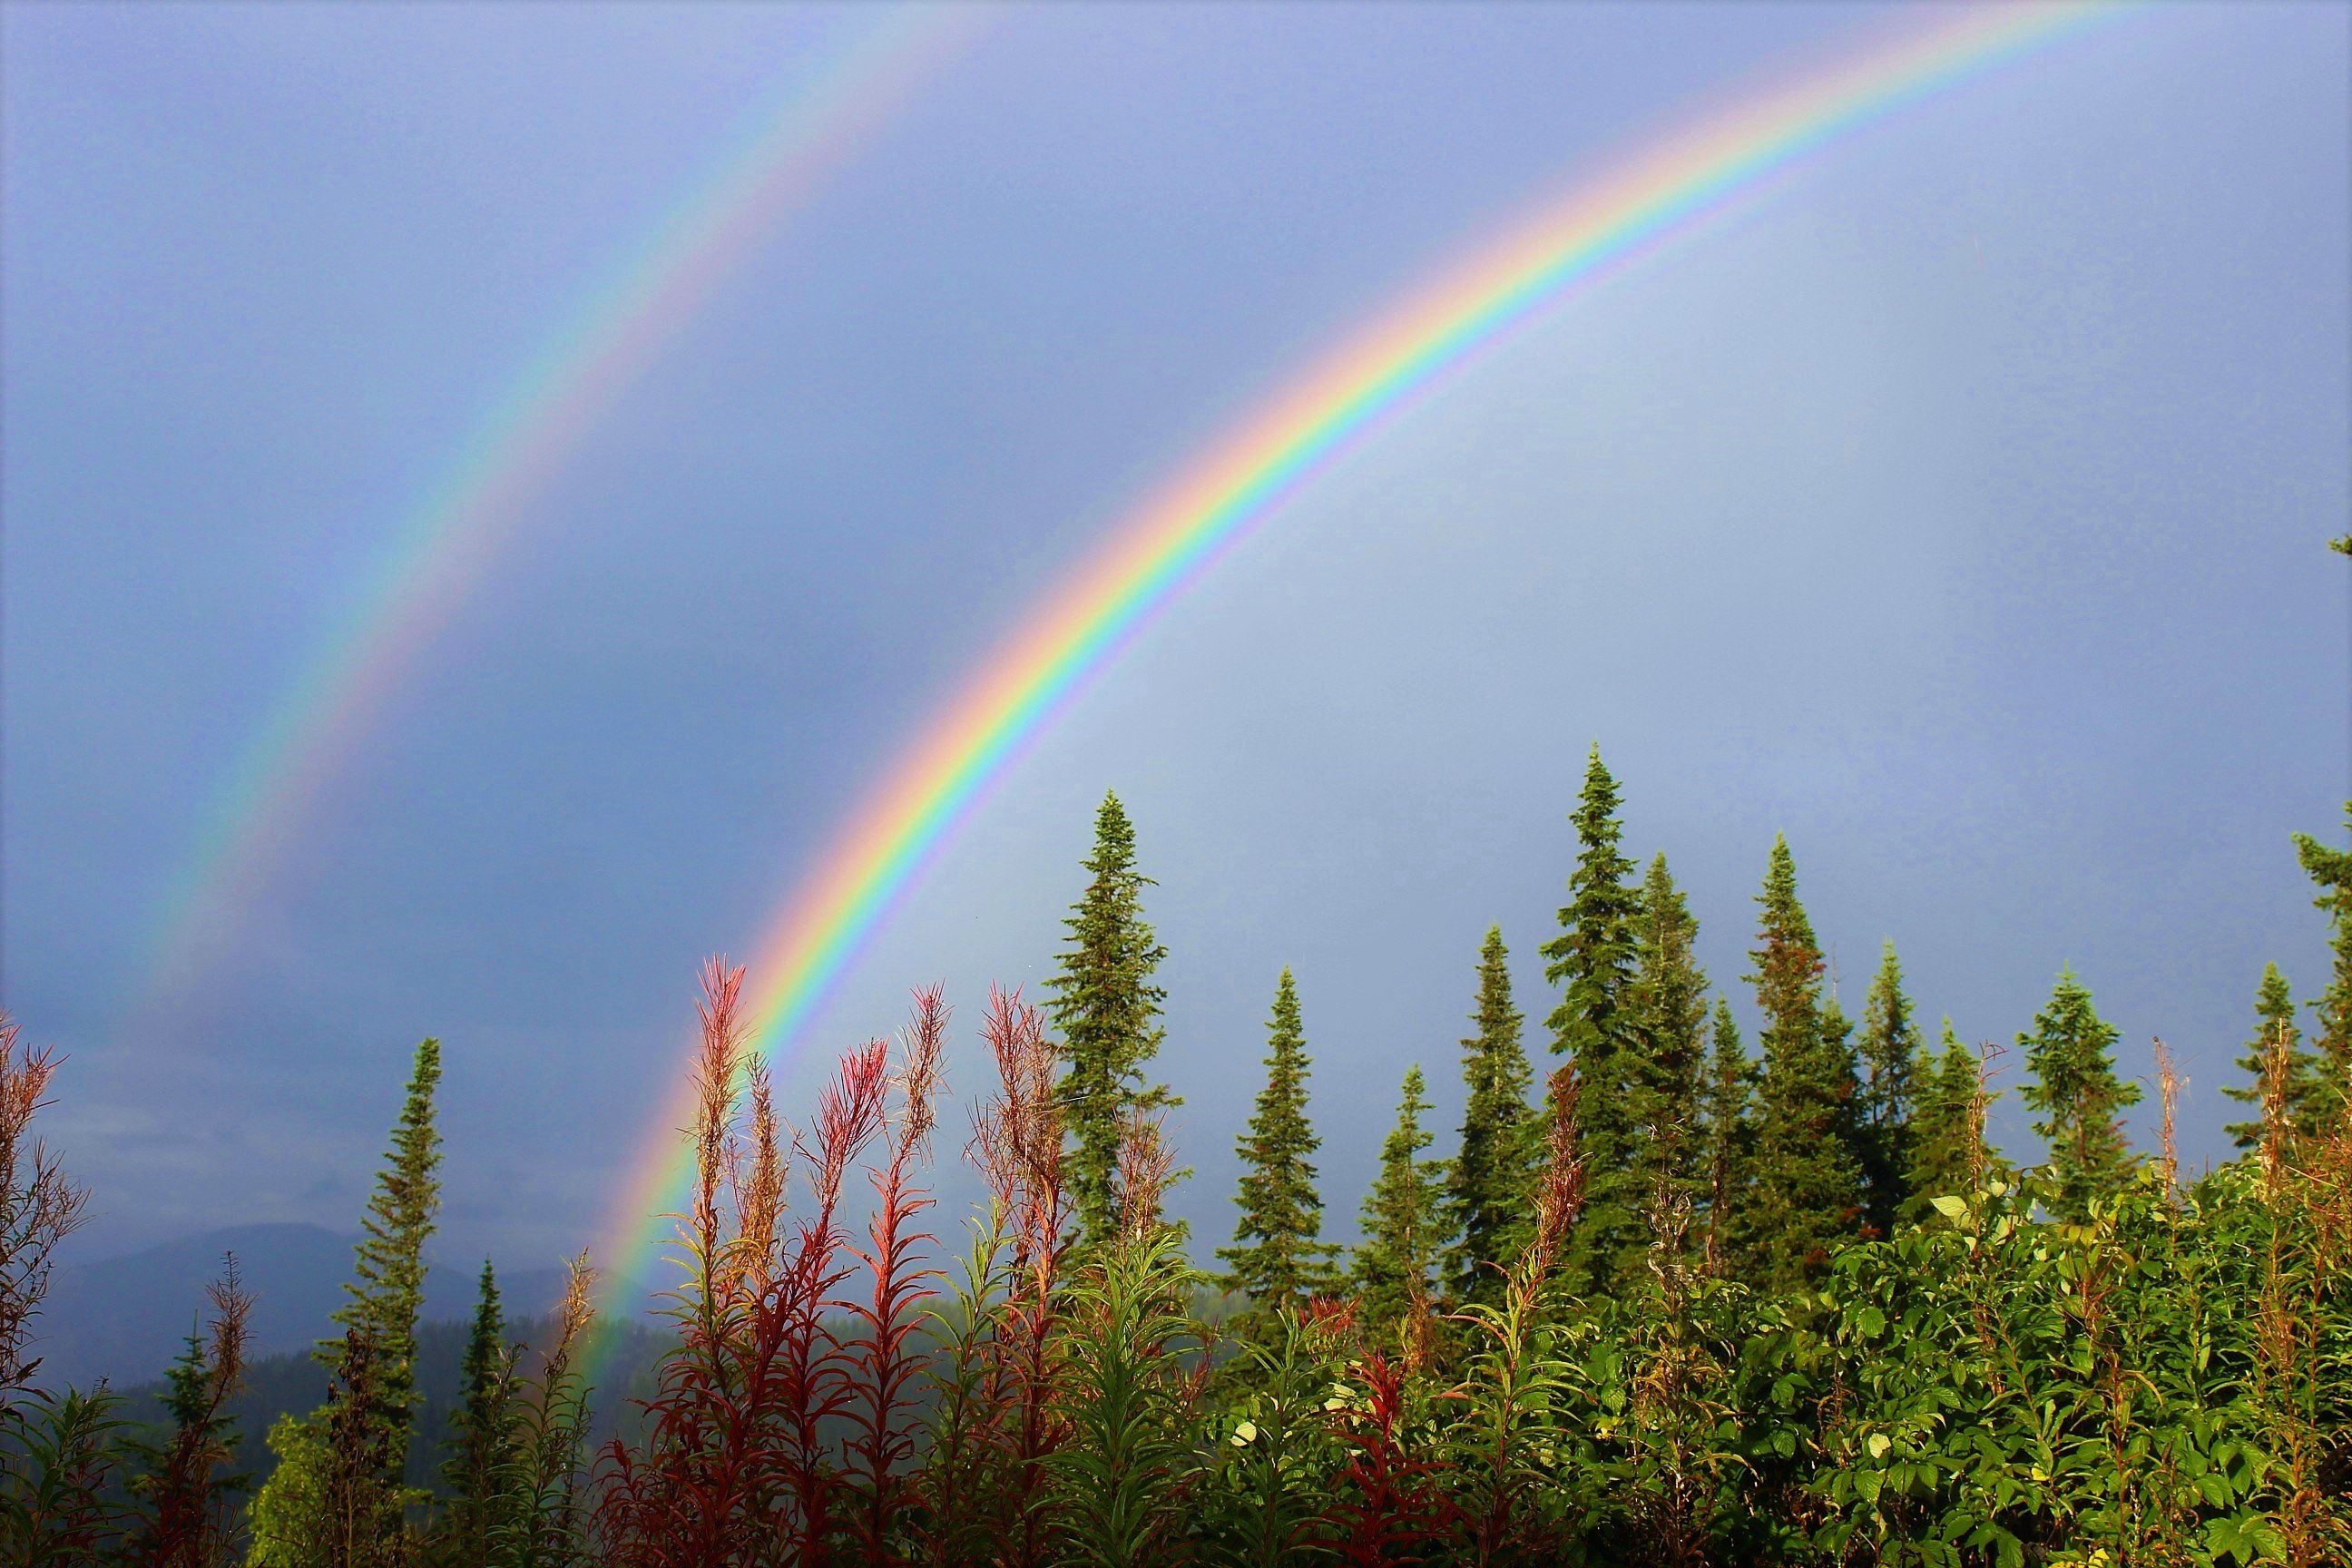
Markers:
1392,1269
1807,1193
1593,961
1127,1397
1106,1011
1493,1170
1278,1257
2071,1057
1888,1095
289,1513
59,1463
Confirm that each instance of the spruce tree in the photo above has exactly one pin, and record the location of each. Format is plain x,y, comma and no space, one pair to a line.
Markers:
481,1432
1106,1009
1730,1142
2306,1083
1592,960
1401,1221
1666,1064
1490,1183
1808,1193
1890,1050
1278,1256
1948,1152
2071,1055
342,1476
2332,871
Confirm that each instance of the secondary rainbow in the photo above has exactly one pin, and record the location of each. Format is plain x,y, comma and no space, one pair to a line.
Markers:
828,109
1660,194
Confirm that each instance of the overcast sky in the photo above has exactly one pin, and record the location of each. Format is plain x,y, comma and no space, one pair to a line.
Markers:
1957,510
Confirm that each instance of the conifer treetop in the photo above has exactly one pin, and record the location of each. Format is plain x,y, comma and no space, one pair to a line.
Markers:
1809,1192
1279,1254
2070,1056
387,1289
1490,1183
1106,1009
1401,1217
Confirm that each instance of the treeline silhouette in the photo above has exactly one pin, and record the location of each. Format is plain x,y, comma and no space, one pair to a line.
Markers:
1669,1303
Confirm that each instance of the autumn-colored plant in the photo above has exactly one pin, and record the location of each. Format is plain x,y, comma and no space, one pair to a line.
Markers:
189,1499
40,1207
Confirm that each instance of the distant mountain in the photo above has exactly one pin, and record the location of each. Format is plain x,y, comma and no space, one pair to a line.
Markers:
125,1319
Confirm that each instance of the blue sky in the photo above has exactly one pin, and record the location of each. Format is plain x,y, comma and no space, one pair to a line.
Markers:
1957,510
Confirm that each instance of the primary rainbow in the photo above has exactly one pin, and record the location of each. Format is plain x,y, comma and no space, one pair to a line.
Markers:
1606,222
824,112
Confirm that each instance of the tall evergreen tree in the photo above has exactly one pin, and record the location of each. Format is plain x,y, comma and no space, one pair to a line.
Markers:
1730,1141
1403,1221
1491,1180
1889,1089
1809,1193
2306,1083
1278,1255
1666,1063
341,1479
481,1433
387,1289
2071,1055
1947,1149
1592,960
1106,1011
2332,871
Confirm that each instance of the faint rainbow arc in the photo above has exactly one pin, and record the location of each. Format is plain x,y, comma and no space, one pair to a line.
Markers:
446,543
1641,204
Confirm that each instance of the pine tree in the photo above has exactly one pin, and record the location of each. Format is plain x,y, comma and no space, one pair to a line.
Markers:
2332,869
1106,1011
1592,960
1490,1181
1808,1194
1666,1065
1401,1221
2306,1085
2071,1055
1730,1141
1890,1050
1949,1153
1278,1256
481,1432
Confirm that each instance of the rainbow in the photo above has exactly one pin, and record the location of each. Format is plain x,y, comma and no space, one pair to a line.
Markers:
1603,225
824,112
